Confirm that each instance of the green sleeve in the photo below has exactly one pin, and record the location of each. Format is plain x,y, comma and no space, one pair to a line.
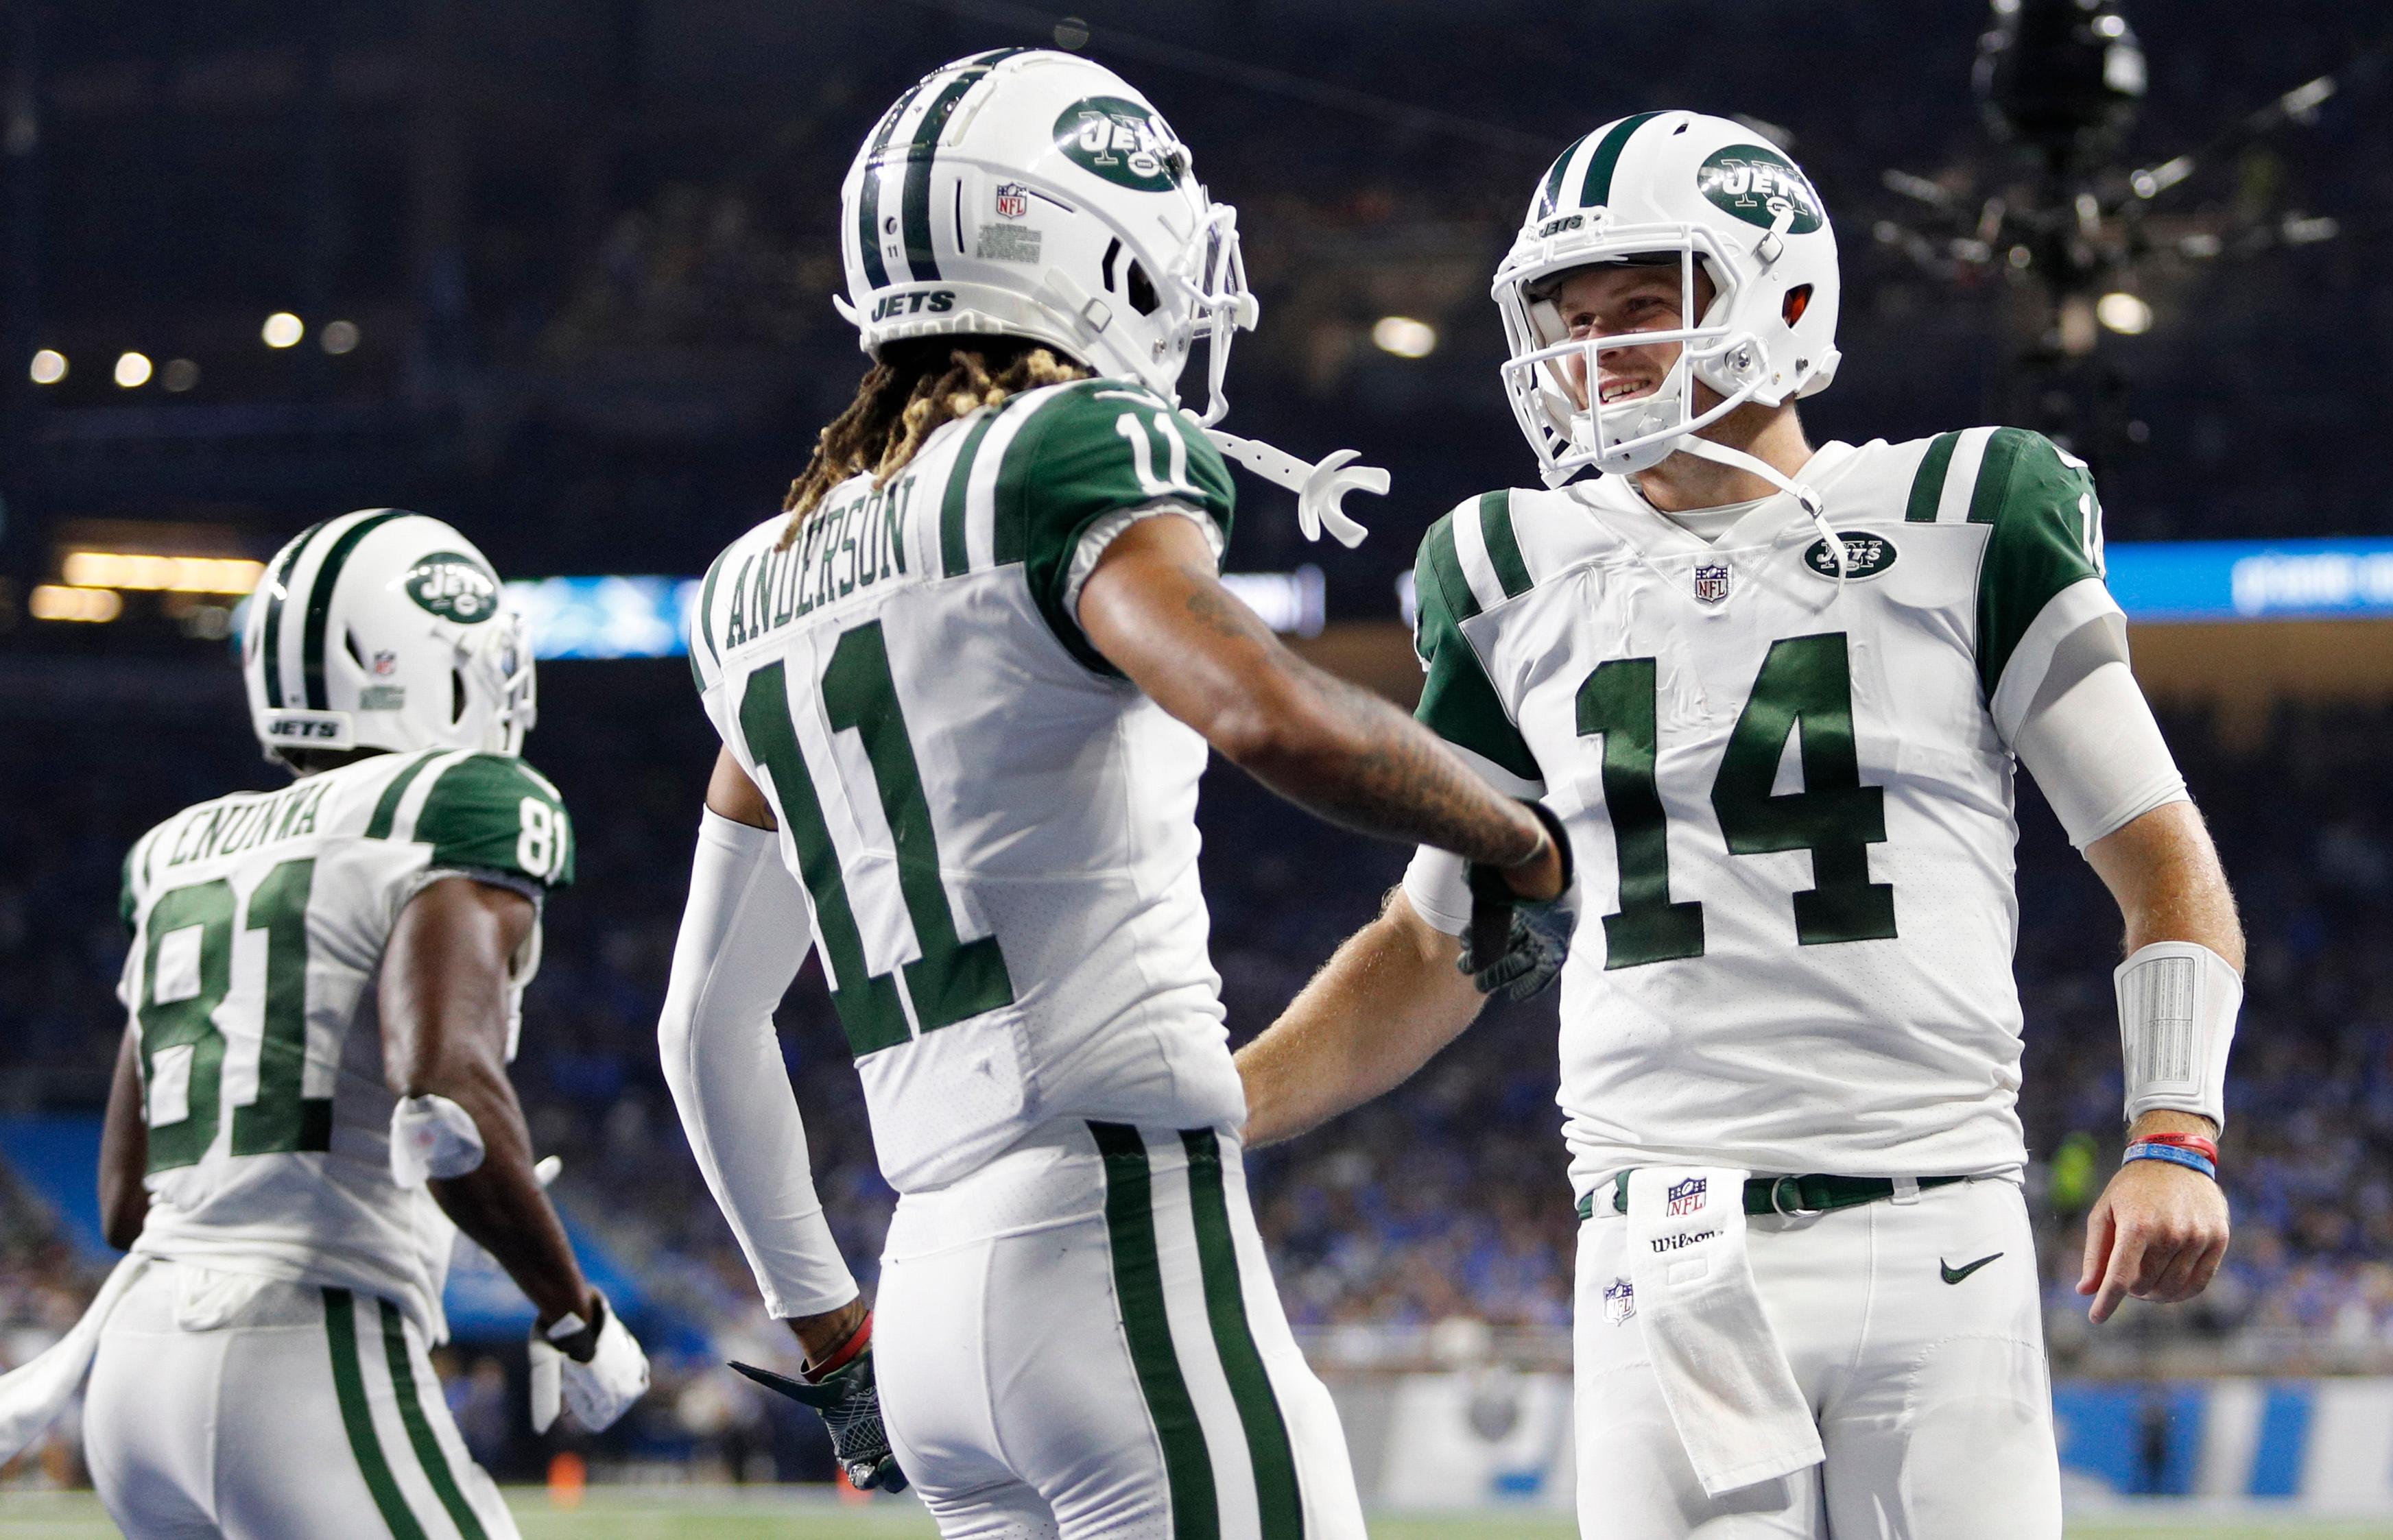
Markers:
1097,448
1458,702
2047,536
494,812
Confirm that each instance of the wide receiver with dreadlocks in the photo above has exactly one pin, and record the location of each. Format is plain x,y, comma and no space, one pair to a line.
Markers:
965,689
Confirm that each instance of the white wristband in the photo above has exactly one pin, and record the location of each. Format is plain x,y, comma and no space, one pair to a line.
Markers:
2178,1003
432,1137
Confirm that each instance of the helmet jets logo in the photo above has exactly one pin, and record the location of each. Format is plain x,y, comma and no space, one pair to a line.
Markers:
1756,184
1123,141
454,586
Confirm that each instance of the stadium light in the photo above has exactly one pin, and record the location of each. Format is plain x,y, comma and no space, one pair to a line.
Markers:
1404,336
180,375
2124,313
340,337
91,606
133,370
283,330
151,573
49,366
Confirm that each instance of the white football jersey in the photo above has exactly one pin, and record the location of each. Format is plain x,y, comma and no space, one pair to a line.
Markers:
258,925
995,831
1789,803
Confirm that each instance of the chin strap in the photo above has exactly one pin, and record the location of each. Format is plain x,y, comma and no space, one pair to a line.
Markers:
1813,505
1318,487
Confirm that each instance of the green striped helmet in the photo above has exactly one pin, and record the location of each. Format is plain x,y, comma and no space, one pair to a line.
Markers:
1030,193
1716,199
383,629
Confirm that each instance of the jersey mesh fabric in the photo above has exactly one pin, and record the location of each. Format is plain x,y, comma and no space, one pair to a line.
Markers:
258,924
1807,780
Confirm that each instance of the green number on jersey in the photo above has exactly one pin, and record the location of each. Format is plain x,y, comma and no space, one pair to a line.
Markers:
953,979
280,1121
1805,685
1617,700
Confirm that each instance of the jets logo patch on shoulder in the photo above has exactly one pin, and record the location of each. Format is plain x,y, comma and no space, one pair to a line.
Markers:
1865,555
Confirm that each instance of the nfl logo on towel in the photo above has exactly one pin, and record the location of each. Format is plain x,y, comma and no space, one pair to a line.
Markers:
1688,1195
1012,199
1619,1301
1711,581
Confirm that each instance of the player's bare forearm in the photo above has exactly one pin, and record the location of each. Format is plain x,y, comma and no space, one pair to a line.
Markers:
443,1000
2164,873
1156,609
1380,1008
124,1151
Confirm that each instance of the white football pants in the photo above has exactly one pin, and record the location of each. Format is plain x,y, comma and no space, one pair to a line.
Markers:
1914,1333
228,1407
1081,1339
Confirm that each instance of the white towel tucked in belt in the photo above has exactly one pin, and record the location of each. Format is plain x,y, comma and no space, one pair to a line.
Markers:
33,1394
1732,1396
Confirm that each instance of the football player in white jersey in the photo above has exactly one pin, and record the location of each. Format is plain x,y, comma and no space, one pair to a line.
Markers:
965,689
1774,694
324,986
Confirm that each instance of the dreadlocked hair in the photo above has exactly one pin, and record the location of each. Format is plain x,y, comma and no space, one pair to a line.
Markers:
912,390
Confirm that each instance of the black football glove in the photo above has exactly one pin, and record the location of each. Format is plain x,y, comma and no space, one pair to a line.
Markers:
849,1404
1515,944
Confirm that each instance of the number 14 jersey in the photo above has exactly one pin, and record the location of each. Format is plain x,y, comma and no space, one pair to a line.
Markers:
1789,801
995,831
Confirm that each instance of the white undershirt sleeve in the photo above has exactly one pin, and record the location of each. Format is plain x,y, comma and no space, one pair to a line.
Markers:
1104,532
2087,734
743,936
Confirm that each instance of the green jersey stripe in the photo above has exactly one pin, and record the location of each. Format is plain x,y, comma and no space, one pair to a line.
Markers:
429,1453
1927,486
868,198
1995,474
356,1416
1503,545
320,603
1138,1287
1446,567
1596,191
277,589
955,554
387,808
1553,185
1280,1505
706,615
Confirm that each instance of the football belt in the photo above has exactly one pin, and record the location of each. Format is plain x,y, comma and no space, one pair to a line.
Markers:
1786,1197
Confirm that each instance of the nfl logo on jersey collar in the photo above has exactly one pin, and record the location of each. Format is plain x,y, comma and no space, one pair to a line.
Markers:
1712,578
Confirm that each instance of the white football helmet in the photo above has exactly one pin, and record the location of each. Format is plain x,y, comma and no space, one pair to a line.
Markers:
383,629
1029,193
1686,188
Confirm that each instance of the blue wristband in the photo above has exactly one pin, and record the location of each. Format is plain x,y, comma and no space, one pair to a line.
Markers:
2192,1160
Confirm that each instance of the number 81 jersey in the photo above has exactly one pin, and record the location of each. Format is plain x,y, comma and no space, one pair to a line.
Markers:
258,923
995,830
1790,798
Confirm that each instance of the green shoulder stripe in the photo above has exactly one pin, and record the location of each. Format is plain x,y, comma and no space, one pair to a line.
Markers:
955,555
706,622
386,806
1927,487
2046,530
492,812
1093,448
128,896
1503,546
1458,701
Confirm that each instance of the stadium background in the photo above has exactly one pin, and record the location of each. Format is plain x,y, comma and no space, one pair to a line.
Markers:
561,276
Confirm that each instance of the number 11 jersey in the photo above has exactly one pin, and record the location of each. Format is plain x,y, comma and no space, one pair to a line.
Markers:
259,921
1790,798
995,830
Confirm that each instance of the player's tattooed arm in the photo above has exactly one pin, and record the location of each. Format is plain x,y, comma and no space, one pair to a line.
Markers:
124,1150
443,1000
1157,611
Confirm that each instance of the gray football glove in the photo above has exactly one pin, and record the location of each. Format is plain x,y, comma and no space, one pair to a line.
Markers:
849,1404
1514,944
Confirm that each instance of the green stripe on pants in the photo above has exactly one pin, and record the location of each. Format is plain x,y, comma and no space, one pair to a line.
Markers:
1276,1499
429,1452
1138,1280
357,1417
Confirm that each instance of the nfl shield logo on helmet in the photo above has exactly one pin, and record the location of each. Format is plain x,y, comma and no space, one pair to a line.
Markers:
1012,199
1619,1301
1688,1195
1711,581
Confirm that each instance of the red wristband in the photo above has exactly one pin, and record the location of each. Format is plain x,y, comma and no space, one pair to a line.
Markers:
2201,1145
845,1353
